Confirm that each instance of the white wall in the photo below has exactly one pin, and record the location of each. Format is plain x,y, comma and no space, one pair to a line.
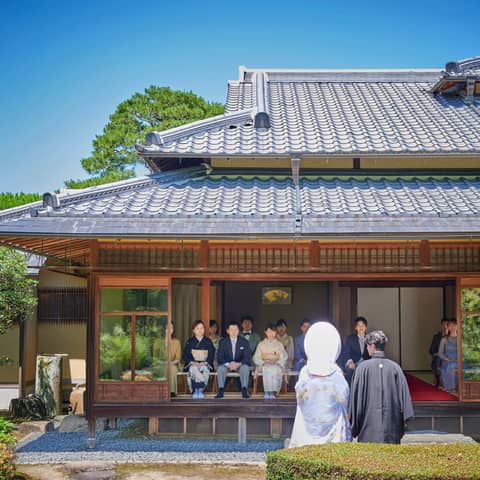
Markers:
408,316
380,306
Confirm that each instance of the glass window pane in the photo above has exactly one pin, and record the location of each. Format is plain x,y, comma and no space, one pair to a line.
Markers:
115,348
471,346
151,348
134,300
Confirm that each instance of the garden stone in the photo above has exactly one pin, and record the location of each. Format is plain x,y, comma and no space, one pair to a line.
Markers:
438,438
94,475
77,423
80,467
35,426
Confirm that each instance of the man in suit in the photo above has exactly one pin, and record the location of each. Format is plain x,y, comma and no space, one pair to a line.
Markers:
355,349
233,356
248,333
300,357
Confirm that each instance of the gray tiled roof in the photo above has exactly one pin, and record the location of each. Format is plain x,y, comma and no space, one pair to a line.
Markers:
330,113
194,203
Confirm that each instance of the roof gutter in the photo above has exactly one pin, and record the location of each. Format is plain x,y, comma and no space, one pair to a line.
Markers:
295,164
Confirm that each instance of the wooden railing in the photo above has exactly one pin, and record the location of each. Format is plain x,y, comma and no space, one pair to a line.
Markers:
314,256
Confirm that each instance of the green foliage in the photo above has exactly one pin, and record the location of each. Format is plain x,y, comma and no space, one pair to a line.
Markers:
100,179
7,444
6,432
471,299
10,200
17,300
158,108
364,461
116,352
471,333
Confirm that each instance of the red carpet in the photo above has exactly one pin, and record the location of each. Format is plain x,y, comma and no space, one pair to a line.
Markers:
421,391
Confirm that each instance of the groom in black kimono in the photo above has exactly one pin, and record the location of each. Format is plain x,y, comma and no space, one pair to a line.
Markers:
380,400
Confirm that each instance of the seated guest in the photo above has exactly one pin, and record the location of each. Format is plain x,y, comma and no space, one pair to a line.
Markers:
198,356
322,391
447,351
355,348
434,347
248,333
270,359
299,356
233,356
286,340
175,357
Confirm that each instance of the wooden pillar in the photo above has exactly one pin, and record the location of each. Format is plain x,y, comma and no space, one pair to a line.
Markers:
91,344
219,307
242,430
334,303
458,283
353,306
275,427
314,253
204,253
206,304
424,253
153,425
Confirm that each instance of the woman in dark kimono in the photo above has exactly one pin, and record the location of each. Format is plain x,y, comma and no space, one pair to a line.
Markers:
198,356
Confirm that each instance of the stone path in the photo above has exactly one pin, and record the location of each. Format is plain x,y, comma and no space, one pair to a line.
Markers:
108,471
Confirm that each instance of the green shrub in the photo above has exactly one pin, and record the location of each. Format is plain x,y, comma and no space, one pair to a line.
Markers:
7,444
367,461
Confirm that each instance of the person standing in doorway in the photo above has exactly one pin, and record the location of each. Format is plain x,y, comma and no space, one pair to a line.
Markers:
233,356
380,402
300,358
355,349
448,351
175,358
286,340
248,333
434,347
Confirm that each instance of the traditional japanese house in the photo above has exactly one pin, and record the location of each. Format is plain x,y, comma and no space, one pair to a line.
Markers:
351,191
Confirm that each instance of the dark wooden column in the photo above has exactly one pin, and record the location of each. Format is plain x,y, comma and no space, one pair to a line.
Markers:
206,304
335,303
91,343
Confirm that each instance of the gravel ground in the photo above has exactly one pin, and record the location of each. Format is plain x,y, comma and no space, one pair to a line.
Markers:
56,447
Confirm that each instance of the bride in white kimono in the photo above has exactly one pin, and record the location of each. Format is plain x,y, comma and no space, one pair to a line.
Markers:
322,391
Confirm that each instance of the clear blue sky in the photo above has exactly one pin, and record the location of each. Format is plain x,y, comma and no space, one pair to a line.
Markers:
65,65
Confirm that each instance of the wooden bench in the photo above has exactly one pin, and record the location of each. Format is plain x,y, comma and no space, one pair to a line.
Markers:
286,379
182,380
212,381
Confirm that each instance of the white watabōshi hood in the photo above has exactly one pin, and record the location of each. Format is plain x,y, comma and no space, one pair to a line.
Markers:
322,347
